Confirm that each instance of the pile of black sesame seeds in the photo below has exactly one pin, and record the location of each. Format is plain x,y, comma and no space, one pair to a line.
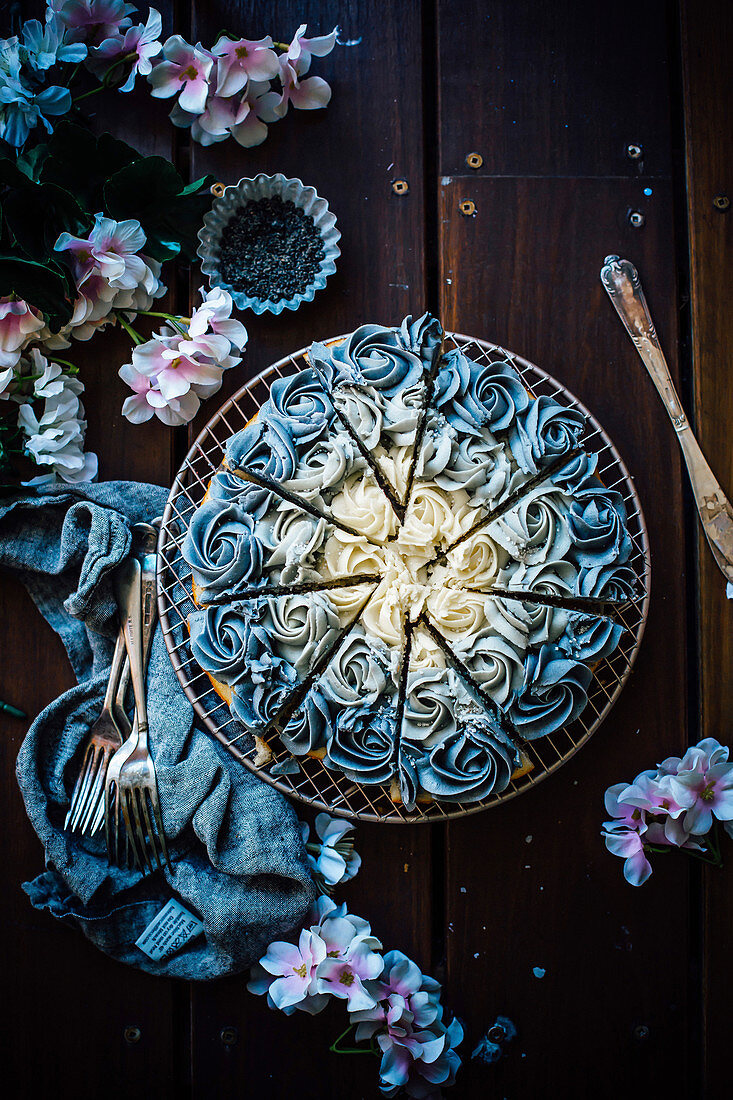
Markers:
270,250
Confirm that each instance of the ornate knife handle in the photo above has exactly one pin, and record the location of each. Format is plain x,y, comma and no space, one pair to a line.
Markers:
621,281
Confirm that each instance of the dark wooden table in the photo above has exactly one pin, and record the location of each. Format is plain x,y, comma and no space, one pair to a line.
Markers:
635,997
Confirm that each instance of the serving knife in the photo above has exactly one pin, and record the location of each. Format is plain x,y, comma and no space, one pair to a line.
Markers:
621,281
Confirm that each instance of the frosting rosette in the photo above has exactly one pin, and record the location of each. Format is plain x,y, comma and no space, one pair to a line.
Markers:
309,727
424,581
538,528
429,715
553,692
229,487
471,764
545,431
301,628
589,637
219,640
265,447
363,744
597,525
496,665
475,396
607,582
222,549
301,402
374,356
359,673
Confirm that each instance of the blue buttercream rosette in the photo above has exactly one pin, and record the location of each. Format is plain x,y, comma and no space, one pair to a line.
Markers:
553,694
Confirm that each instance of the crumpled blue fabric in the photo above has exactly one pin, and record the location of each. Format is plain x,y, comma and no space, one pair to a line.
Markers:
237,853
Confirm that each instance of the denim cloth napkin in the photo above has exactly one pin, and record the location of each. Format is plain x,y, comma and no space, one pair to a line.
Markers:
237,853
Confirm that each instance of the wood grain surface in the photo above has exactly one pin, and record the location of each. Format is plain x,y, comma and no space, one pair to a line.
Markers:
707,33
634,996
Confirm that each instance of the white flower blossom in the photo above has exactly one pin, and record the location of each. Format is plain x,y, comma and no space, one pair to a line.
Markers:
56,437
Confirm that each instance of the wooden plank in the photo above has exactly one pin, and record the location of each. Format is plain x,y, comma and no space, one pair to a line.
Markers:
369,134
350,152
524,273
84,999
707,39
553,89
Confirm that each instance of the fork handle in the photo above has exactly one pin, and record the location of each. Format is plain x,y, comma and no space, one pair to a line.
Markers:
129,600
115,672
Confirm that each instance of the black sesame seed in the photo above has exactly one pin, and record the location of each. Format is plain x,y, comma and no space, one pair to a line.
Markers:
270,249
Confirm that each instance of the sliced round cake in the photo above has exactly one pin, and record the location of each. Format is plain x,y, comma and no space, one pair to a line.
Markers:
407,566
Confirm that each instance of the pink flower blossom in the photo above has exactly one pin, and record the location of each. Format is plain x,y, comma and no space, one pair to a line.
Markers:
705,776
306,95
294,968
138,45
215,313
136,408
184,362
18,323
222,118
92,20
241,60
111,250
173,369
184,72
344,976
623,835
653,792
302,49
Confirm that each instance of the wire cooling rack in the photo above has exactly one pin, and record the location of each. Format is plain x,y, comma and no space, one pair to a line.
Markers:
314,783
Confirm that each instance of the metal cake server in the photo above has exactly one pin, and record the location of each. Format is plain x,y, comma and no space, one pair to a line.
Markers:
621,281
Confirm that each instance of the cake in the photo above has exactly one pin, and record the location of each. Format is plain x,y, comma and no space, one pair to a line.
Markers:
407,566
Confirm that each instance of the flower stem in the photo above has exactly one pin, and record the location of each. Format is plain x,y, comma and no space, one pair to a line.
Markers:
105,79
85,95
336,1049
135,336
73,369
168,316
72,77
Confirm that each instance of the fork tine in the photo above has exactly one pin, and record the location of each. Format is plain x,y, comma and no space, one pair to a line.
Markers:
110,829
155,803
149,824
80,788
94,793
130,845
98,821
137,837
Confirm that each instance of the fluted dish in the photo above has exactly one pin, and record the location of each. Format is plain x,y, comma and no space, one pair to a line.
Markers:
237,196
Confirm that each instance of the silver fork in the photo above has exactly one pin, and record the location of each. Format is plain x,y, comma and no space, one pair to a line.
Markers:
96,817
131,772
105,737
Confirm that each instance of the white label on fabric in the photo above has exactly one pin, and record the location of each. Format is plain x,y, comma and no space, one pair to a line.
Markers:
170,930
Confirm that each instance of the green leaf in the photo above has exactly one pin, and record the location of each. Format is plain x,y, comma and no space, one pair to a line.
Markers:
31,162
10,174
170,211
38,213
81,163
41,285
